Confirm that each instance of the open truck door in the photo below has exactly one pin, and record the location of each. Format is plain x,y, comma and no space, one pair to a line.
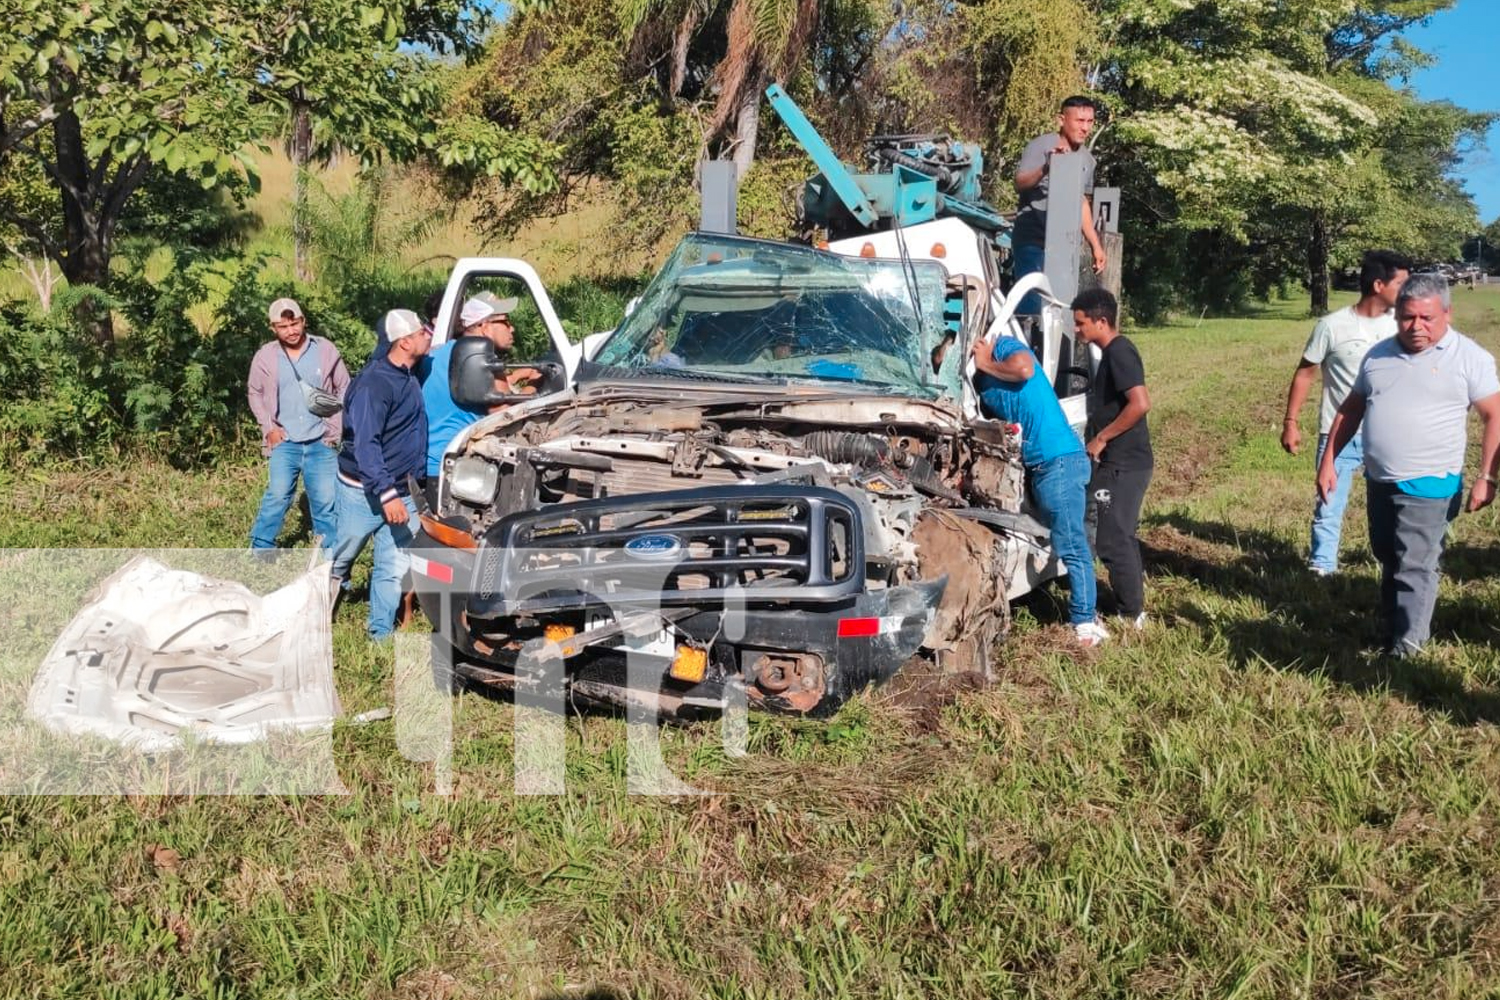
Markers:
510,277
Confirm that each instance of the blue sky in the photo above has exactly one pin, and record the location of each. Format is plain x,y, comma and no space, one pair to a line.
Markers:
1464,40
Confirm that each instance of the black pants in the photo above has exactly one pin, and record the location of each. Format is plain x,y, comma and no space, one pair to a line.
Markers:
1115,497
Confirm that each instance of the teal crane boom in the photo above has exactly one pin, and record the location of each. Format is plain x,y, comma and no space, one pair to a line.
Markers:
916,178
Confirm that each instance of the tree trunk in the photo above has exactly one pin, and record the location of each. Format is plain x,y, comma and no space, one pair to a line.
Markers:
301,157
85,252
40,276
746,129
1317,264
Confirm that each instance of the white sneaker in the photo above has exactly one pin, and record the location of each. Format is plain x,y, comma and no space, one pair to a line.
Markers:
1090,634
1139,621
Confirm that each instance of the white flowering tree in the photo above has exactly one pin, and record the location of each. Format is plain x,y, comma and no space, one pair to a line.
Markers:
1271,130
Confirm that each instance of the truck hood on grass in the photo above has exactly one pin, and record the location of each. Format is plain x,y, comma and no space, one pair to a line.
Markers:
158,653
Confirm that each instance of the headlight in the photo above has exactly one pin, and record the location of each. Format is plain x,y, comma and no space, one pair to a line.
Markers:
473,480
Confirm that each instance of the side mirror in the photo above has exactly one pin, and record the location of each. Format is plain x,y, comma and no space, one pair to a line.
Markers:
474,367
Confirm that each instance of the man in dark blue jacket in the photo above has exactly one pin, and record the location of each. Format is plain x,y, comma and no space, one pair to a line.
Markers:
385,442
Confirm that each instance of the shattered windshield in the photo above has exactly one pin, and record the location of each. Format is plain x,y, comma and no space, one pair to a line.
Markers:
746,310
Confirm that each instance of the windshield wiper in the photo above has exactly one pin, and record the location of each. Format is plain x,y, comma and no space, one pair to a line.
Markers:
689,374
892,388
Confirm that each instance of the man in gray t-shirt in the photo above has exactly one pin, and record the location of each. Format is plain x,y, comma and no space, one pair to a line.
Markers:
1412,396
1028,239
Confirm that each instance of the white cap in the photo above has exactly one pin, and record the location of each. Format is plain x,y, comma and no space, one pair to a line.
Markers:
482,306
401,323
281,307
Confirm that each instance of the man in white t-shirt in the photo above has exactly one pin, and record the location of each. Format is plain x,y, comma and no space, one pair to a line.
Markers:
1337,346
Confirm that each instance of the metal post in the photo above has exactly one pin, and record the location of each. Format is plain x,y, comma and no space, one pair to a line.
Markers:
1064,244
720,179
1064,225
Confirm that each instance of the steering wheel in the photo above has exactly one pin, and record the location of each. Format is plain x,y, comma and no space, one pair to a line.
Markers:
554,376
1078,379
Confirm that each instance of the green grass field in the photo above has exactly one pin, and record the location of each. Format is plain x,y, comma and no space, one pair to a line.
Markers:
1243,801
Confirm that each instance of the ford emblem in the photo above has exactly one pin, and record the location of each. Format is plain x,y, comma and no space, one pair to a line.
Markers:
654,548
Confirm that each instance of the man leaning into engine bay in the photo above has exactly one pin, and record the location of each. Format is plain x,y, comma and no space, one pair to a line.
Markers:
1012,387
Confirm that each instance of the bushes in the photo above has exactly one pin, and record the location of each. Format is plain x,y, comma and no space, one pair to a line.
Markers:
187,325
58,384
588,305
173,383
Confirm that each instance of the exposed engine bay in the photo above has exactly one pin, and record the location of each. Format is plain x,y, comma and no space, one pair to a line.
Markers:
930,498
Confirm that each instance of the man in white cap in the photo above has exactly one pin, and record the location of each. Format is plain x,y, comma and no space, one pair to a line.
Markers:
484,315
385,444
296,441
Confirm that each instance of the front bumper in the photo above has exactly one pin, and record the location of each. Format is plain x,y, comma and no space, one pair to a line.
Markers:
797,629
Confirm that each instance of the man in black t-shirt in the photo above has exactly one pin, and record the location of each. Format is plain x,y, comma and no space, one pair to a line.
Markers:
1120,443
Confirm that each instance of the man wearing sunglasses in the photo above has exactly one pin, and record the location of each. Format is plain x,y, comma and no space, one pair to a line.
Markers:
484,315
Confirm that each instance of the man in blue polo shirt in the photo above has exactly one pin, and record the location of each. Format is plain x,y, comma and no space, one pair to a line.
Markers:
1412,397
1012,387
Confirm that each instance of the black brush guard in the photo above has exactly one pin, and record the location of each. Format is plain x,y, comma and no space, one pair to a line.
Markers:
564,557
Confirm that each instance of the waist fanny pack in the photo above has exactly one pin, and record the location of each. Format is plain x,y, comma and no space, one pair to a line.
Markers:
320,402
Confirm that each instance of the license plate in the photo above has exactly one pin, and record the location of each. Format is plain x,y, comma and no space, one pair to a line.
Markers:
659,643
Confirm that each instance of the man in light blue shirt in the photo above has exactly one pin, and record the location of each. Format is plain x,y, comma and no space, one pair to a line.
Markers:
484,315
1013,388
1412,398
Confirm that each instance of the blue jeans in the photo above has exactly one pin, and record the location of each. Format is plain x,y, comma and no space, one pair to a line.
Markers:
317,464
359,518
1028,258
1058,486
1328,518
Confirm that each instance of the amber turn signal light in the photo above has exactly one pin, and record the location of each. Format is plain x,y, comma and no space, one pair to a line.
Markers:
690,664
446,534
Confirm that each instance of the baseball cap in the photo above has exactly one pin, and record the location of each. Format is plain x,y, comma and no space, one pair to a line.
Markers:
401,323
484,305
282,306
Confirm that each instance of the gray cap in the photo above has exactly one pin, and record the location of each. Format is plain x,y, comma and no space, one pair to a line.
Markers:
281,307
482,306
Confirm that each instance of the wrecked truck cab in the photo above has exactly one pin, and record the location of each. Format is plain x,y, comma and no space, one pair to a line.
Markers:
769,483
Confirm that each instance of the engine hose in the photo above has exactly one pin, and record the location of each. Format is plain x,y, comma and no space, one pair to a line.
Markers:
847,448
867,451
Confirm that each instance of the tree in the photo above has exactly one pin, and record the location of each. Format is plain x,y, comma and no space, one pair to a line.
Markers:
348,78
1257,143
1275,127
624,100
763,40
98,97
24,187
95,98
